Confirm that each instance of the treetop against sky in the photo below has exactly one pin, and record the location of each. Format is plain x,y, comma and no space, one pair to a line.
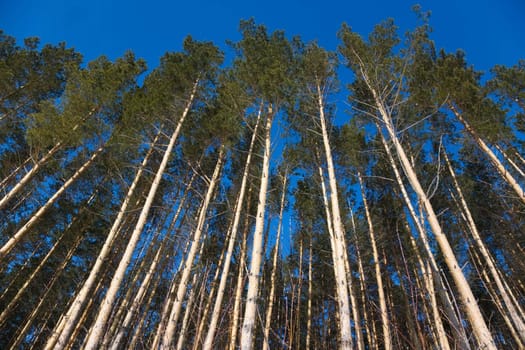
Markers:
490,32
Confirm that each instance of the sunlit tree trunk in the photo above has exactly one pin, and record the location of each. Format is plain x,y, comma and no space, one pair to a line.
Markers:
354,303
13,173
240,281
187,313
141,323
427,274
514,313
269,310
508,159
124,300
385,323
103,315
209,299
507,176
137,300
208,342
67,323
169,299
188,263
339,234
309,305
29,175
6,248
298,318
250,311
21,289
468,301
362,288
31,318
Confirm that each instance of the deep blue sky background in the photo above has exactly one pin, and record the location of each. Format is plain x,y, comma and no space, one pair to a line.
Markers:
490,31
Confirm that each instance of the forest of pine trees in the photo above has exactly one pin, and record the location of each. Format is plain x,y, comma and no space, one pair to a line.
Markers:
266,203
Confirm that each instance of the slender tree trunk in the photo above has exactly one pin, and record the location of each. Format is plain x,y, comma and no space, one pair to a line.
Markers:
63,329
162,253
516,316
41,329
354,304
339,234
135,305
14,301
507,176
188,264
31,318
385,323
427,273
269,310
29,175
362,287
208,342
250,311
13,173
169,299
103,315
211,294
8,246
468,300
123,302
310,292
240,281
438,324
187,314
141,323
511,162
298,318
487,283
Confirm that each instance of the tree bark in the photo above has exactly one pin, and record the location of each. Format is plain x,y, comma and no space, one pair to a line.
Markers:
507,176
208,342
9,245
100,323
248,326
188,264
515,315
385,323
339,234
240,281
269,310
468,300
29,175
63,329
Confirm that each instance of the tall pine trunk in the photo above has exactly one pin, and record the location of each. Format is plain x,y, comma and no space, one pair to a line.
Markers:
507,176
339,235
468,301
188,263
9,245
67,323
250,311
385,322
269,310
239,287
29,175
515,314
427,274
208,342
100,323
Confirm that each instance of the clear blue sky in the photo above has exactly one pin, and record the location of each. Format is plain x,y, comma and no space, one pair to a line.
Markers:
490,31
